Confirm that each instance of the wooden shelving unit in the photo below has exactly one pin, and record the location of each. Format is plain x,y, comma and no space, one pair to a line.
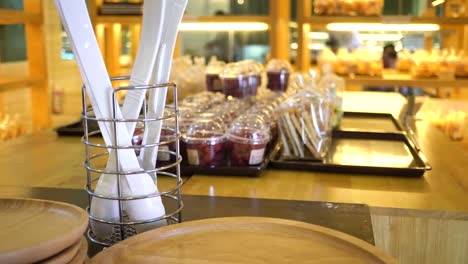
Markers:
32,17
130,20
392,78
459,40
10,16
15,83
323,20
277,22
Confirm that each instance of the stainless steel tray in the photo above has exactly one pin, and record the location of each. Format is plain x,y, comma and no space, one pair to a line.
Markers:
353,152
370,122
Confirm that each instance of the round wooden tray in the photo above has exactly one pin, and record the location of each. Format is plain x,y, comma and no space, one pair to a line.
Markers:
82,254
242,240
32,230
66,255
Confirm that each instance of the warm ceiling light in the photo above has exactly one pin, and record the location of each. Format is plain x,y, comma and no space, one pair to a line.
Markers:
380,37
437,2
313,46
318,35
223,26
381,27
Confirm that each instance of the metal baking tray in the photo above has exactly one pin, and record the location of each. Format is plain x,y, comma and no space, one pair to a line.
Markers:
352,152
76,128
226,169
369,122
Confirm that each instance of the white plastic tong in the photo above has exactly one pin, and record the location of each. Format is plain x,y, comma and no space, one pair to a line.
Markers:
76,21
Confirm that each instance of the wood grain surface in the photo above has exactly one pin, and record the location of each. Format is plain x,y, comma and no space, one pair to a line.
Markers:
32,230
66,255
82,254
242,240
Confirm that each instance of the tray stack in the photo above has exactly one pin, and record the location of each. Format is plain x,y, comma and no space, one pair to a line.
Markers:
42,231
365,143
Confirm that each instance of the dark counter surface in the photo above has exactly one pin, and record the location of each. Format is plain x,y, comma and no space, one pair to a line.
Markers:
353,219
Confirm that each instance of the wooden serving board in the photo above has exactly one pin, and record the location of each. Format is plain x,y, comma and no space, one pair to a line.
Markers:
32,230
242,240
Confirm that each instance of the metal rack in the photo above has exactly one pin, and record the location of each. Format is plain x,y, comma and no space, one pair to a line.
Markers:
98,153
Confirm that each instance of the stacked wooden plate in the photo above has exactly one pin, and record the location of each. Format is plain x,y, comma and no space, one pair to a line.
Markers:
242,240
42,231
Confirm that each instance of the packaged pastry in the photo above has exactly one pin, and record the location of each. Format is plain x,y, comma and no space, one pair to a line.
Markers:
350,7
327,57
320,7
425,65
448,62
461,66
344,62
371,7
305,125
333,86
403,62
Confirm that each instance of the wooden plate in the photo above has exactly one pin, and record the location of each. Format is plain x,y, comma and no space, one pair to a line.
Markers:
32,230
65,256
82,254
242,240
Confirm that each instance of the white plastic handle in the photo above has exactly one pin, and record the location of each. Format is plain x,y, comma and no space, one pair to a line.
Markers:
157,99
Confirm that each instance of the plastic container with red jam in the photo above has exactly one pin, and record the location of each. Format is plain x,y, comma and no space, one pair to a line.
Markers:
235,81
213,82
254,74
247,140
168,143
278,75
205,143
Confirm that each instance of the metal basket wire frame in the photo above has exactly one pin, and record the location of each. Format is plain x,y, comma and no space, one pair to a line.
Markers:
124,227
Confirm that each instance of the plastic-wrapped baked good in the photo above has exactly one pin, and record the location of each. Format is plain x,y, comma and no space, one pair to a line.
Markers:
371,7
461,67
425,65
404,61
305,125
327,57
350,7
344,63
448,63
333,86
320,7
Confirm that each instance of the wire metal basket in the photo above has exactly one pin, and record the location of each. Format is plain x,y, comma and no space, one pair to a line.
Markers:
98,153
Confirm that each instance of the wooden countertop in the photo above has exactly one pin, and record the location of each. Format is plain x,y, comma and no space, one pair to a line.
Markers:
434,235
45,160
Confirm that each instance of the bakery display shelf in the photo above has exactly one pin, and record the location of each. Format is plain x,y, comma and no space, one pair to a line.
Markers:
136,19
14,83
323,20
398,79
375,153
11,16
